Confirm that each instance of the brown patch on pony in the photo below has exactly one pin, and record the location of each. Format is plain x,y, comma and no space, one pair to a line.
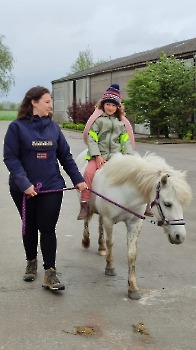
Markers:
164,180
90,215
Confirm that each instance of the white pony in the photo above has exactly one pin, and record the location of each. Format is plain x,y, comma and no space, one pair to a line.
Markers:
132,181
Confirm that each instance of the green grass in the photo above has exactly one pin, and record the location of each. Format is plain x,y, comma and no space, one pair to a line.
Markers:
8,115
160,140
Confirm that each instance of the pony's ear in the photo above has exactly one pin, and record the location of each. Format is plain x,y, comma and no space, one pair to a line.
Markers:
184,173
164,180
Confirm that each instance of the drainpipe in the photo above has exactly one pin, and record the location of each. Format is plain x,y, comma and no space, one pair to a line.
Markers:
194,117
53,96
87,89
74,99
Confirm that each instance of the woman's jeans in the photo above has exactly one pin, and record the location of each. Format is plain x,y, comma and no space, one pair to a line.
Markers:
42,212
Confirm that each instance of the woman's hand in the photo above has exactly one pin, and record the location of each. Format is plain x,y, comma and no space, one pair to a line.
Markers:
81,186
100,161
31,191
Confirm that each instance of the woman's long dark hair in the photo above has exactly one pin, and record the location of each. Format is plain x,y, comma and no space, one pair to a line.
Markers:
26,107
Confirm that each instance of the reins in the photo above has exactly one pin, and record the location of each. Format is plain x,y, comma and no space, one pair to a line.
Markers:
162,222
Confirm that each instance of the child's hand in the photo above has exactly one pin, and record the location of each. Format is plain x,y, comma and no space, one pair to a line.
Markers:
100,161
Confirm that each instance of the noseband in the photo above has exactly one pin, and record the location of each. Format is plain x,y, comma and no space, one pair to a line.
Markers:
164,221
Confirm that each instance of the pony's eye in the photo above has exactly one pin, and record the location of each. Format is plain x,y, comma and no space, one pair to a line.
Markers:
167,204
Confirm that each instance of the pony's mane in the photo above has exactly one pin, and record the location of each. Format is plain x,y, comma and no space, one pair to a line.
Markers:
145,173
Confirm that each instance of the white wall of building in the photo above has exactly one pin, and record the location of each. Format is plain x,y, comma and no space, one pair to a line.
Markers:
81,90
62,98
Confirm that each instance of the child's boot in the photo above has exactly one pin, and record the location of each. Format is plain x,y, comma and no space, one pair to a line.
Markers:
84,210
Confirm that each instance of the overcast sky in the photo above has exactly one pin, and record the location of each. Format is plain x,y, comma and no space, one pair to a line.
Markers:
45,37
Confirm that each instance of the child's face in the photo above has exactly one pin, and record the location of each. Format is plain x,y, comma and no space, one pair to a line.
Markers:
109,108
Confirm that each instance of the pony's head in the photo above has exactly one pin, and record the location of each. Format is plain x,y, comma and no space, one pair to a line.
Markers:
168,209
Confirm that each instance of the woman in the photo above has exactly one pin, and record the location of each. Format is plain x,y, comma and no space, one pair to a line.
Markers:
33,146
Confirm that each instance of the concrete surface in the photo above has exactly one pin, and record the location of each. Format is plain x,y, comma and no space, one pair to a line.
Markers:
34,318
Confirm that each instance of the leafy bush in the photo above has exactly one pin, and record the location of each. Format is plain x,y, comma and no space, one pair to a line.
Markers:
73,126
191,133
79,113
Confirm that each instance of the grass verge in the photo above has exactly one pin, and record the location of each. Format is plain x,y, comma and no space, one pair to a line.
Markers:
160,140
8,115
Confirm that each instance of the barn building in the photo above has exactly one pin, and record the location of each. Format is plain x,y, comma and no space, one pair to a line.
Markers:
89,84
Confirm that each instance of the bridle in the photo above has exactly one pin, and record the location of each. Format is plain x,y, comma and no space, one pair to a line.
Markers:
164,221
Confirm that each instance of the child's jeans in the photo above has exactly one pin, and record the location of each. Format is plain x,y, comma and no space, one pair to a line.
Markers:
88,177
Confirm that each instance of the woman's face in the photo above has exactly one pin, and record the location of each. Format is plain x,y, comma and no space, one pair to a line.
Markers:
43,106
109,108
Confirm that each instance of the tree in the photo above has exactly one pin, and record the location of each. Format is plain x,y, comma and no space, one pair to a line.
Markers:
12,105
163,95
6,66
18,105
84,61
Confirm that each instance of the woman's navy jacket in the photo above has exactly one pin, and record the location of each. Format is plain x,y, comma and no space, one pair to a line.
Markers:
31,154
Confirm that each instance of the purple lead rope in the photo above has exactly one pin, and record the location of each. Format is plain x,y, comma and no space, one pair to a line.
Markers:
37,189
118,205
159,223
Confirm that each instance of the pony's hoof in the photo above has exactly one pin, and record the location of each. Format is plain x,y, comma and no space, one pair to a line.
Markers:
102,252
134,295
85,244
110,272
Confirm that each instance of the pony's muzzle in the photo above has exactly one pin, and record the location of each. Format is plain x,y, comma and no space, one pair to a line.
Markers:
176,238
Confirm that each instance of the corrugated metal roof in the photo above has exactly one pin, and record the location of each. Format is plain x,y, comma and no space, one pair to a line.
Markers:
177,49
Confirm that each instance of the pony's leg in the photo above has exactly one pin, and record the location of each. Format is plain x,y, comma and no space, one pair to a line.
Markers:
132,235
101,240
110,269
86,236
